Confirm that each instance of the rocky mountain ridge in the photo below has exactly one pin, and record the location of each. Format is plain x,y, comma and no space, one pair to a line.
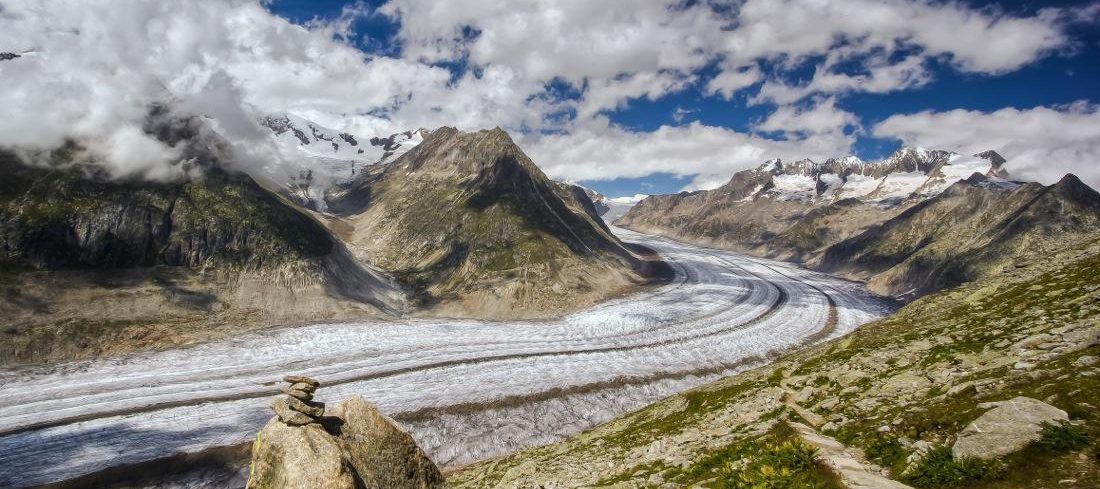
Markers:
819,214
91,265
975,228
316,140
908,174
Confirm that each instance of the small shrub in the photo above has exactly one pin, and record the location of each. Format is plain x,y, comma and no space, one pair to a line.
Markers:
1063,437
776,377
939,468
887,452
774,465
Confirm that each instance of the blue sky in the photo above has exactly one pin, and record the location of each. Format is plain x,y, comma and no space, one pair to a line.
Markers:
1065,75
622,96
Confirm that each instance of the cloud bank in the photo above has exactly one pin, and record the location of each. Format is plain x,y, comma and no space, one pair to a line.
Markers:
1043,142
550,71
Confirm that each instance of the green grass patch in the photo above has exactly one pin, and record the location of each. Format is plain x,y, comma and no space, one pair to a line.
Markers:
886,451
1063,437
777,459
938,468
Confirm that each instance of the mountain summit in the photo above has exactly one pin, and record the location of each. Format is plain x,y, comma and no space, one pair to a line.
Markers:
469,221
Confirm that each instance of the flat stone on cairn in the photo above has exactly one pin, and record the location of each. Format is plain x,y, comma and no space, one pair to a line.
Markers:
297,407
298,379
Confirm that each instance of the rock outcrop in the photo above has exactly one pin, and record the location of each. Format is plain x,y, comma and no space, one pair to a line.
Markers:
1008,427
354,446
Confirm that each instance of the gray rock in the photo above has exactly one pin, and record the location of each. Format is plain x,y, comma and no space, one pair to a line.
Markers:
284,413
304,387
1005,429
311,409
298,379
298,457
361,448
920,449
1085,361
302,395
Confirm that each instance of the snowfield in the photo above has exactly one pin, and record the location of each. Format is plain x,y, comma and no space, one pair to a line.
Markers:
466,389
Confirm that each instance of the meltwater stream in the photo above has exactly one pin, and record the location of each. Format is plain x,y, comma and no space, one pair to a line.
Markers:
466,389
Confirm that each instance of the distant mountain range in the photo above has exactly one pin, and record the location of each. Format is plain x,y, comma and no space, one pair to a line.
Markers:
917,221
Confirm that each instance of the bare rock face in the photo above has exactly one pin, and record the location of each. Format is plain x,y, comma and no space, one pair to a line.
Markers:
354,447
381,453
1005,429
298,457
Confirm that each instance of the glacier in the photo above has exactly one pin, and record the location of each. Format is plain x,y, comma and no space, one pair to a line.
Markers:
466,389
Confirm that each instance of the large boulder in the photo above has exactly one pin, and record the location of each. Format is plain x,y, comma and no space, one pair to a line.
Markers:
1007,428
354,446
298,457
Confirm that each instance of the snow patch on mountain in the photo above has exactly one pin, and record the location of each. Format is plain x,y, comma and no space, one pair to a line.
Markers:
634,199
794,187
330,156
909,173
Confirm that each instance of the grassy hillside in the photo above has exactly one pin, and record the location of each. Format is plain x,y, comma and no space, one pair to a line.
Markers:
871,403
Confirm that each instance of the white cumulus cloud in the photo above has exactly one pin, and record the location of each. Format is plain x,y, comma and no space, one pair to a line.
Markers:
1041,143
96,68
599,150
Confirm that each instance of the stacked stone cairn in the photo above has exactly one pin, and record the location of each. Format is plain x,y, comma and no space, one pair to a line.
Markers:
297,407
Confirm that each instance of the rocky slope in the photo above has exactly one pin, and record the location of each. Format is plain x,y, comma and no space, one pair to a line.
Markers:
475,228
600,201
974,229
789,210
833,216
993,384
91,265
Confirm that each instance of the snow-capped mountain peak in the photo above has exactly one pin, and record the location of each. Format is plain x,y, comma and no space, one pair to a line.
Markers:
329,156
910,172
315,140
